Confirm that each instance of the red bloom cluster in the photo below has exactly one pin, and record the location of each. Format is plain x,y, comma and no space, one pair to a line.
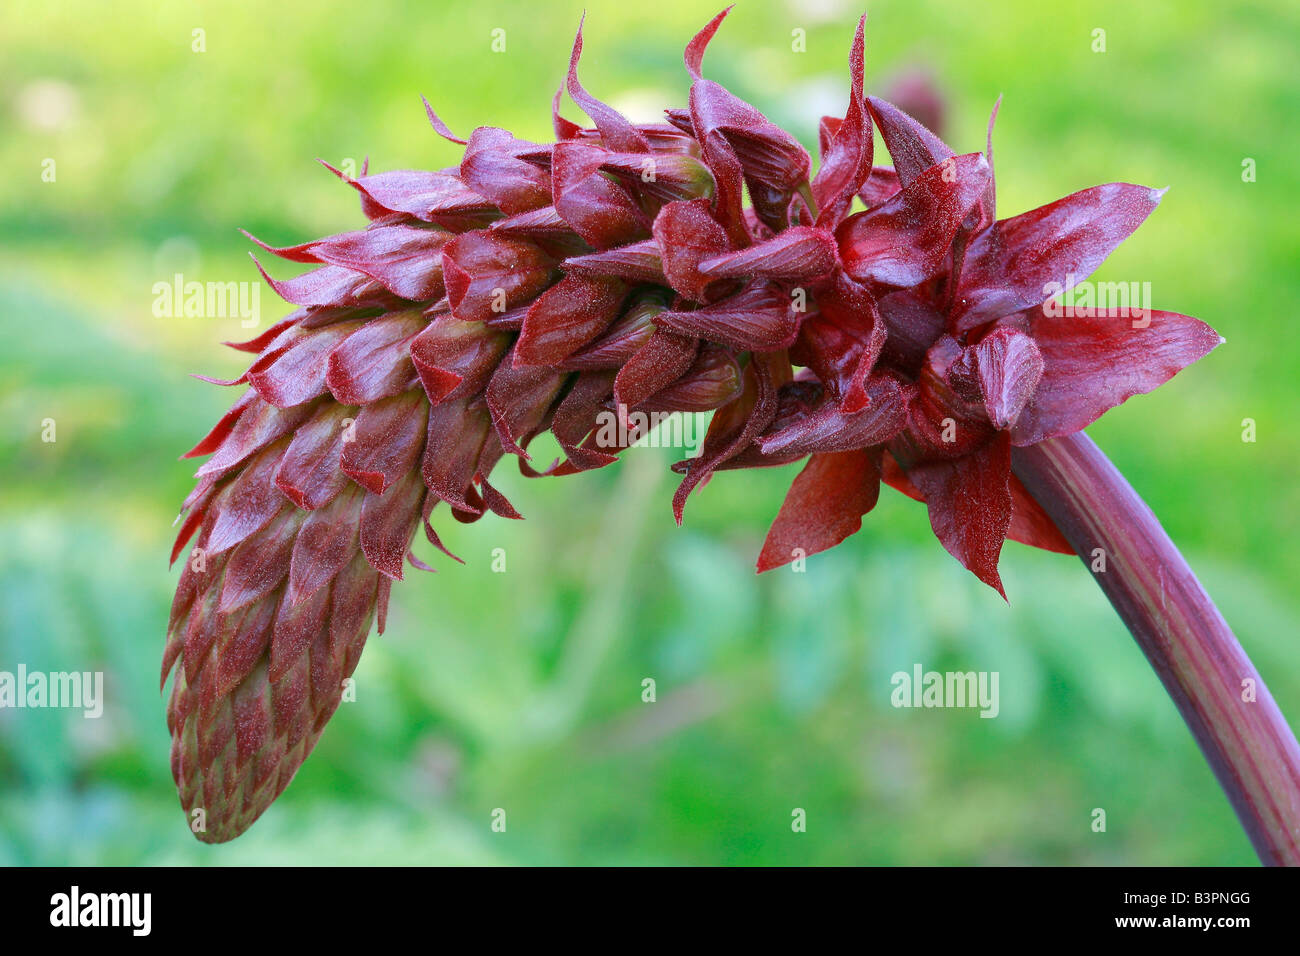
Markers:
539,287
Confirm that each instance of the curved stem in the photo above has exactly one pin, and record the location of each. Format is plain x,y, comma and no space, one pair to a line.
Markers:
1221,696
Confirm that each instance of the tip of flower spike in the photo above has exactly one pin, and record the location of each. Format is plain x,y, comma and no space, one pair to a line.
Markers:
700,42
225,382
336,171
439,126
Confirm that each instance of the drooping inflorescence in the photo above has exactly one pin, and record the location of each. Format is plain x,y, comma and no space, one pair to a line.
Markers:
696,265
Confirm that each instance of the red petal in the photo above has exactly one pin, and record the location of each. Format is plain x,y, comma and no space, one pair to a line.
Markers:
666,177
614,127
487,274
258,424
598,209
799,252
842,340
846,158
567,316
492,168
519,399
636,262
544,223
882,185
761,317
326,543
309,472
970,506
1028,259
404,259
912,147
623,340
251,502
828,428
1009,367
295,373
714,379
735,426
454,442
687,234
388,523
260,563
906,240
374,362
659,363
386,442
454,358
824,505
428,196
1091,364
1030,524
769,156
577,416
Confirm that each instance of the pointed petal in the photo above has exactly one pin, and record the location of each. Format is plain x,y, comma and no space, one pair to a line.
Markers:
1008,367
258,424
760,317
489,274
388,524
623,339
567,316
1024,261
374,362
636,262
842,340
882,185
1030,524
519,399
800,253
295,373
906,240
687,234
666,177
455,359
659,363
714,379
260,563
309,474
912,147
735,426
614,128
252,501
597,208
823,507
846,160
828,428
454,441
492,167
386,441
970,506
1091,364
325,544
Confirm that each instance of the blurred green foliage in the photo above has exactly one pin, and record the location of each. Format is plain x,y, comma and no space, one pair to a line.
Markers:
522,690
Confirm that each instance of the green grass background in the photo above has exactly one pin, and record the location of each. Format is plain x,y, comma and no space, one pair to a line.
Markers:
522,690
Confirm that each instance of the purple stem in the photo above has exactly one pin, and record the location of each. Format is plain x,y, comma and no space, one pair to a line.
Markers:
1247,742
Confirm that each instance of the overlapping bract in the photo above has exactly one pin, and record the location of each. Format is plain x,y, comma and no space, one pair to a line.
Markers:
546,287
